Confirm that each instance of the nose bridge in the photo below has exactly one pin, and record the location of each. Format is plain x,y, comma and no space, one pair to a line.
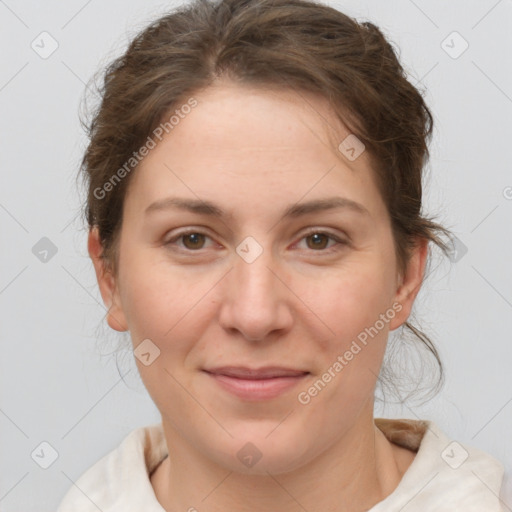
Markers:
256,278
255,301
252,274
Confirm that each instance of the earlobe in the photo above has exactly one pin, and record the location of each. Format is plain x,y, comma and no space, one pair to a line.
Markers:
106,283
410,284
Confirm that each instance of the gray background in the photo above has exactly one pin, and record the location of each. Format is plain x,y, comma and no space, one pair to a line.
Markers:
59,380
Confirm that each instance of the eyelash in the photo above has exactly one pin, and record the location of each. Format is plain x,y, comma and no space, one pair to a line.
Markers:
340,243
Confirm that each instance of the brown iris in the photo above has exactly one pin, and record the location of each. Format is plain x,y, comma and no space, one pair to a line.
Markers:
317,238
195,238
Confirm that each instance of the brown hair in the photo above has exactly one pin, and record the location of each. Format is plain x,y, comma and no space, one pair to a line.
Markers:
296,44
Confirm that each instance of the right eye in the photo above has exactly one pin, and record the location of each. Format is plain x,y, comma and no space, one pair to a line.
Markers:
193,240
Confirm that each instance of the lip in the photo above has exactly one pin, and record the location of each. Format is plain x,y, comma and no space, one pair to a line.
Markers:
267,372
257,388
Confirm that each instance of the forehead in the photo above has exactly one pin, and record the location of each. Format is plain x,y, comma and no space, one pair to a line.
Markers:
241,118
277,143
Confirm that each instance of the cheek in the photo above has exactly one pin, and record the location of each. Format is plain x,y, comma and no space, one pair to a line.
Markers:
351,298
351,305
352,357
172,310
155,299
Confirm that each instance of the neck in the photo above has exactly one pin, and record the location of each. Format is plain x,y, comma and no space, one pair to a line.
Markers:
354,474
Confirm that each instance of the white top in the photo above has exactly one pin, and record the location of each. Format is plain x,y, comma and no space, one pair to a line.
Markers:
444,476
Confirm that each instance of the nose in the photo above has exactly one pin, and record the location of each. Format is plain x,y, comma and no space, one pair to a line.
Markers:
256,301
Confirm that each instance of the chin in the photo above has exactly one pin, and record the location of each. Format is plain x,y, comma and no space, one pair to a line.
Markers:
261,454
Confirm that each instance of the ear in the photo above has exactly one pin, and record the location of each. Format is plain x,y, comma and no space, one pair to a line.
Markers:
107,284
410,283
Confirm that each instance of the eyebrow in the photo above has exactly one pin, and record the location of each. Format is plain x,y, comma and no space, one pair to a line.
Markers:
203,207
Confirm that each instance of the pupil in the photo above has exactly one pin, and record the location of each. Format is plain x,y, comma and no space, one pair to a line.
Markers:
317,237
194,238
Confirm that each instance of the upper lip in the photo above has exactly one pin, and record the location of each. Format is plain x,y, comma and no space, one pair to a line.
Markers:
267,372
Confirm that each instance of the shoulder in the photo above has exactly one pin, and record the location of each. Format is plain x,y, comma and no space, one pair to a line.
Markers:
120,479
445,474
506,489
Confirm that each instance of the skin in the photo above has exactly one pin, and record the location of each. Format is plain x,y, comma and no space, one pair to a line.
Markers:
296,305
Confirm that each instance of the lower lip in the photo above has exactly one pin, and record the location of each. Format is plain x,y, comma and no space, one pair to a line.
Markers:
257,389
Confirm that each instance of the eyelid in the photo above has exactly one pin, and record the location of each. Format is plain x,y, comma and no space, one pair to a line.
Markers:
188,231
325,231
341,241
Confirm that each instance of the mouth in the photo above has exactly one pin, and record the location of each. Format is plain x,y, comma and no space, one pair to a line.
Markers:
256,384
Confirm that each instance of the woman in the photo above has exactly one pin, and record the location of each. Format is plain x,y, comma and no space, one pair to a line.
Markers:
254,204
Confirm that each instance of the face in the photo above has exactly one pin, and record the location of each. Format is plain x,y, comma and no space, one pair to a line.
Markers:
316,290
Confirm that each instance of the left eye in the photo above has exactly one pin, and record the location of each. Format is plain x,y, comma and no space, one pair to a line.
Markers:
319,239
